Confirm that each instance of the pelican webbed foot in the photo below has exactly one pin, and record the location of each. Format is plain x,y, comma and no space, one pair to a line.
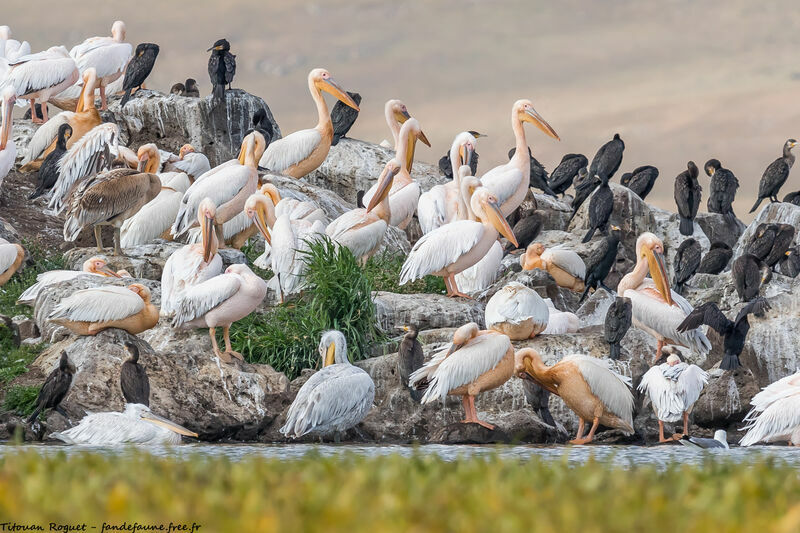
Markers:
223,356
471,414
226,331
452,288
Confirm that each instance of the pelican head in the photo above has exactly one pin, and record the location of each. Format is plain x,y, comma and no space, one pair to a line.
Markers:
137,410
271,191
90,83
486,207
462,336
398,110
185,149
462,149
525,112
525,362
333,348
206,213
149,158
5,32
141,290
650,248
409,133
255,208
673,360
118,31
384,183
98,265
321,80
9,97
253,146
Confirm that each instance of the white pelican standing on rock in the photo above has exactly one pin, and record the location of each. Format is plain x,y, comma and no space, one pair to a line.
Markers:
476,361
673,388
221,301
404,194
564,265
94,266
303,151
40,76
227,185
657,309
589,387
510,182
193,263
517,311
335,398
8,150
457,246
90,311
775,415
560,322
11,258
107,55
362,230
135,425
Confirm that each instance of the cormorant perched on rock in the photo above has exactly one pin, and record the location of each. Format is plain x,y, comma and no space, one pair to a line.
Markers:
360,199
538,173
687,261
600,208
608,158
178,89
584,187
133,379
191,89
792,198
790,263
600,261
55,388
221,67
776,174
525,230
446,167
263,125
687,197
562,177
139,67
641,180
48,172
539,399
716,259
784,237
618,321
721,190
410,357
761,242
343,117
733,333
749,272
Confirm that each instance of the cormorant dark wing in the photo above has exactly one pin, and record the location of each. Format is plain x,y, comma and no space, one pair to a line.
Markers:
445,166
708,314
230,67
757,306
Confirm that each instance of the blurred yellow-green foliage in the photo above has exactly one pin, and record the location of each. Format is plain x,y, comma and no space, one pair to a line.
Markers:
392,493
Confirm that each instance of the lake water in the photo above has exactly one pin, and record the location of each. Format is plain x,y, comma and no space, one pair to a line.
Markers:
625,456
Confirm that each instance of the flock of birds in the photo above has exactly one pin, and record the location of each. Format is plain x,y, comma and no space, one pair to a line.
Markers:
93,180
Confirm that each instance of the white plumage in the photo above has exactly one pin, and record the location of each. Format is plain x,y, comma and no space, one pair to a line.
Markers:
516,305
45,279
483,273
440,248
8,255
290,150
7,157
775,414
290,239
194,164
156,217
673,390
45,135
182,270
504,181
357,231
8,149
198,299
431,210
100,304
42,74
612,388
107,55
12,49
403,199
560,322
566,260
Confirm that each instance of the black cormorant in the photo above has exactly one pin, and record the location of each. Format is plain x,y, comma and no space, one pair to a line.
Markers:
525,230
538,173
584,187
687,197
784,237
139,67
55,388
641,180
733,333
179,89
716,259
133,378
600,208
792,198
343,117
360,199
687,261
48,172
761,242
721,190
409,358
191,89
539,400
618,321
790,263
221,67
263,124
561,178
39,113
608,158
600,261
776,174
749,272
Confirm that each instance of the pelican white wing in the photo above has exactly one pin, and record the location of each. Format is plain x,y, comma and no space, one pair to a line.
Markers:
100,304
199,299
152,220
300,210
665,394
106,55
566,260
514,304
45,279
183,269
7,158
440,248
775,414
612,388
221,188
503,182
8,255
290,150
358,231
33,72
402,201
194,164
45,135
483,273
112,428
431,210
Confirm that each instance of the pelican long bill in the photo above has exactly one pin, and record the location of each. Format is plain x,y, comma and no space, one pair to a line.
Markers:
168,424
535,118
658,272
384,185
329,85
497,220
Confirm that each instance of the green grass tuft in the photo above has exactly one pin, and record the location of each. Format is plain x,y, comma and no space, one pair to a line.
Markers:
39,262
336,295
14,360
384,272
21,399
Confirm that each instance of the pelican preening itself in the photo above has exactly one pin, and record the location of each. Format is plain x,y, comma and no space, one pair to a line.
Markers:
560,322
11,257
8,149
90,311
673,388
94,266
775,415
55,387
476,361
335,398
155,218
657,309
135,425
589,387
565,266
303,151
189,161
517,311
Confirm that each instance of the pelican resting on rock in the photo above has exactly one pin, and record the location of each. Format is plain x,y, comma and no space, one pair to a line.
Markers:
517,311
154,220
54,389
11,257
589,387
560,322
476,361
657,309
219,302
90,311
673,388
193,163
565,266
94,266
775,415
334,399
135,425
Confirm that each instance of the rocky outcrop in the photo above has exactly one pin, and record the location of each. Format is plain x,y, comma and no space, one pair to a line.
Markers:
777,212
720,229
427,311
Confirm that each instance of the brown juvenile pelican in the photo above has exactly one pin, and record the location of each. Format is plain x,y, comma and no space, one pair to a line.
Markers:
133,378
11,258
138,69
40,76
687,197
54,389
303,151
90,311
775,175
178,89
221,67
